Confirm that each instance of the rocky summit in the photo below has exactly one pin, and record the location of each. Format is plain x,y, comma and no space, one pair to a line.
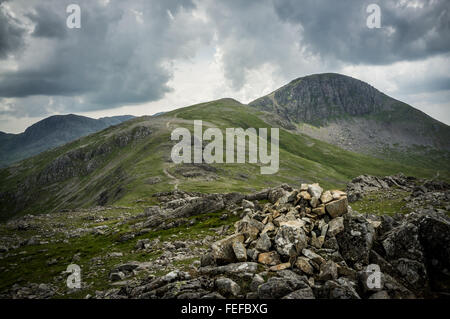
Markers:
281,242
308,243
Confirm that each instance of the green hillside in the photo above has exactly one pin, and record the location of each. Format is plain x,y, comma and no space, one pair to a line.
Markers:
125,164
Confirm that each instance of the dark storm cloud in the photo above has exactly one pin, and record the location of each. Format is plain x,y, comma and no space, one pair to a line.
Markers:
48,23
290,34
339,29
116,58
250,35
122,53
11,33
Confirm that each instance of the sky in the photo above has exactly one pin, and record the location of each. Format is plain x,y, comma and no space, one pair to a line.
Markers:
141,57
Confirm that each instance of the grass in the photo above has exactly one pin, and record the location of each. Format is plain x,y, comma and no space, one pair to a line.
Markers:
383,203
28,264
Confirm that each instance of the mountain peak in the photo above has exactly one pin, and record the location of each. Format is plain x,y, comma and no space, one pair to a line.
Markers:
325,76
315,99
353,114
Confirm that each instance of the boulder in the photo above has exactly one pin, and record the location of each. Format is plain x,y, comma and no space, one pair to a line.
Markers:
227,287
264,243
326,197
290,239
257,281
250,228
317,242
116,276
313,256
223,251
304,293
342,288
247,204
277,287
279,267
355,242
337,207
314,202
303,264
230,269
275,194
305,195
207,260
270,258
320,210
403,242
434,234
336,194
335,226
315,190
239,251
328,271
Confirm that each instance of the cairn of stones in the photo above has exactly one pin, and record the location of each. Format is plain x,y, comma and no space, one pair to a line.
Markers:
287,233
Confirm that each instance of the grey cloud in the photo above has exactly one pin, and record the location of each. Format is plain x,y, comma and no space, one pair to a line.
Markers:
339,29
302,37
122,53
116,58
48,22
250,35
429,84
11,33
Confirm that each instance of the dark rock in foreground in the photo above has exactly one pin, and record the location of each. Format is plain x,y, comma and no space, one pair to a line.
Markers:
307,243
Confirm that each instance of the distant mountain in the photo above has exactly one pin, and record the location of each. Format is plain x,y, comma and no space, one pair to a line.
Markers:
350,113
51,132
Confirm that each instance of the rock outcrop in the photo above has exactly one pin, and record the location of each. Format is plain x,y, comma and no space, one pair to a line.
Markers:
289,243
307,243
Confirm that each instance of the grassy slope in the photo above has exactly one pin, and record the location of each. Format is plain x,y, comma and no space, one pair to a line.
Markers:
124,173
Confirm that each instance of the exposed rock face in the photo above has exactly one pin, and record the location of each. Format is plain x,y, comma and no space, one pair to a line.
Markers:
434,234
352,114
82,161
308,99
356,241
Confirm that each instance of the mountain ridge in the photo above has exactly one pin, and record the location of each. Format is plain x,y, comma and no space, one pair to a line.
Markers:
50,132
